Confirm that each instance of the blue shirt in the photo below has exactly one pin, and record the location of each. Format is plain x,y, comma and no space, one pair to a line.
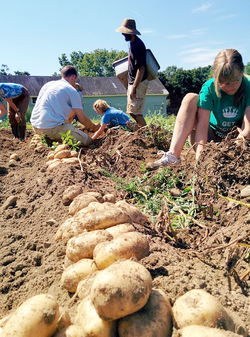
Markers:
10,90
114,116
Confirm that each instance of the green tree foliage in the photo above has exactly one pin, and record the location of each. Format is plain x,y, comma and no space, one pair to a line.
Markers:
247,68
179,82
97,63
22,73
3,70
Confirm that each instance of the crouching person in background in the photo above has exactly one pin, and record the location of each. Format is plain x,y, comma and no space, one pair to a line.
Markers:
17,98
57,102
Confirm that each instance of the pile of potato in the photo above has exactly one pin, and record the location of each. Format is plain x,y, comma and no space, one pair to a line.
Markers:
62,154
117,298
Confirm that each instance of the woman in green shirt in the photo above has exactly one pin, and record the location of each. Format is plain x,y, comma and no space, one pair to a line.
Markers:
223,102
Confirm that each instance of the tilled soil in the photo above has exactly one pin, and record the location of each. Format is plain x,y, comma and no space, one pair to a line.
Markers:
212,253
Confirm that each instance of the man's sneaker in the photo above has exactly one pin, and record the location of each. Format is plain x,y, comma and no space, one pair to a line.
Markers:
168,159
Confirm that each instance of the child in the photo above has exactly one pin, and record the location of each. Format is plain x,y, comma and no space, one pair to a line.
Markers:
223,102
110,117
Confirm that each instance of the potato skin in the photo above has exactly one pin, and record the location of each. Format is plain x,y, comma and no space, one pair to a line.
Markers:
94,326
82,246
135,214
73,274
197,307
125,246
62,154
71,331
154,319
120,229
38,316
121,289
80,202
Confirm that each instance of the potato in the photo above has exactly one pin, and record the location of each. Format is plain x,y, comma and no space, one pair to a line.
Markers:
14,156
51,155
49,162
70,193
52,166
120,229
71,331
154,319
82,246
96,220
62,147
135,214
121,289
80,202
38,316
125,246
202,331
84,286
71,160
76,272
63,227
197,307
93,207
94,326
67,262
97,195
109,198
62,154
74,154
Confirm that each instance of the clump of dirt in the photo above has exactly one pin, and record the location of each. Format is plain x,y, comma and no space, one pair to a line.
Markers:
212,253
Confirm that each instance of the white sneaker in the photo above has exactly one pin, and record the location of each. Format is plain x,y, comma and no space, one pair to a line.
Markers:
168,159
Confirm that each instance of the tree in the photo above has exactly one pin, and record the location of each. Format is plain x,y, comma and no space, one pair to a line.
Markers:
97,63
179,82
22,73
247,68
4,69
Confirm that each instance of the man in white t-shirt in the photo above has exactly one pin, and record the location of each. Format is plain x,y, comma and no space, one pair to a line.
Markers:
56,102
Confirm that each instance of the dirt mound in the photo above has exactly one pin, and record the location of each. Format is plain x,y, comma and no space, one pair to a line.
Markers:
204,255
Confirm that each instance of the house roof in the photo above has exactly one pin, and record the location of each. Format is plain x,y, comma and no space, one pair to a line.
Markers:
92,86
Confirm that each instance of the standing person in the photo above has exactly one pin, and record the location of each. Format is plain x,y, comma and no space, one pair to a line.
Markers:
137,73
110,117
223,102
56,102
18,99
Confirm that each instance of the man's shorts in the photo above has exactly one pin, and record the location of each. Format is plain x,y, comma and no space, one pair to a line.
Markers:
54,133
136,105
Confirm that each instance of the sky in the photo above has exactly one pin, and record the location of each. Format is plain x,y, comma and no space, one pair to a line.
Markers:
184,33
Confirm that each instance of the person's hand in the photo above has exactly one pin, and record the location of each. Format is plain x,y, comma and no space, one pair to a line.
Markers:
97,126
18,117
133,93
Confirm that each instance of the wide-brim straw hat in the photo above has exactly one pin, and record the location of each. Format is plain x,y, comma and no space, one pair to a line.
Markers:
128,27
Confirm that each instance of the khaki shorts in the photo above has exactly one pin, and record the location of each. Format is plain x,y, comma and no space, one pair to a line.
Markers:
54,133
136,105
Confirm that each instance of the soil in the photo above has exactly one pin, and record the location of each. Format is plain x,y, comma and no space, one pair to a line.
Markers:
212,253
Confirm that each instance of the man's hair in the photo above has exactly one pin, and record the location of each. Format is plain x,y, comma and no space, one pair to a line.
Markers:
102,105
68,71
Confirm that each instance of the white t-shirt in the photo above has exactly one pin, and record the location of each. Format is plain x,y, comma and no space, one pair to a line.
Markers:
54,103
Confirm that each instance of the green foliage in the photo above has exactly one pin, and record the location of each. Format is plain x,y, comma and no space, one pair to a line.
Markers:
67,138
179,82
96,63
247,68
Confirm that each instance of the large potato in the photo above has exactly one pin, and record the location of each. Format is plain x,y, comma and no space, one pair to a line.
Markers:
135,214
120,229
197,307
52,166
73,274
70,193
154,319
71,160
121,289
202,331
62,154
93,207
38,316
125,246
71,331
82,246
94,326
80,202
62,147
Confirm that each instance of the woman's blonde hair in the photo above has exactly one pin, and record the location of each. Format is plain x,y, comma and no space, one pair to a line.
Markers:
100,104
223,69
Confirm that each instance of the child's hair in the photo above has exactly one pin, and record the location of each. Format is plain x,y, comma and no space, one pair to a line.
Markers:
102,105
223,69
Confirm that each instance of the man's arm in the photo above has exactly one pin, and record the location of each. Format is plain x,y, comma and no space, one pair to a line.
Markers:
85,120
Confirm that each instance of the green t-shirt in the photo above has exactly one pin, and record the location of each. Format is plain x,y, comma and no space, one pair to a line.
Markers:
224,114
